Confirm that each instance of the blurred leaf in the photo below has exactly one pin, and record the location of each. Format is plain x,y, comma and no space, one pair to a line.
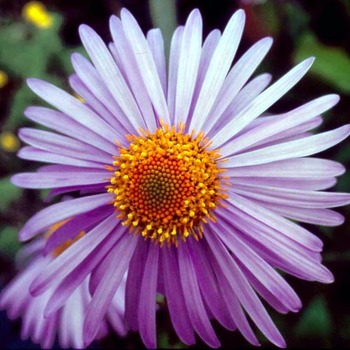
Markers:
315,321
9,193
28,48
22,98
332,64
9,243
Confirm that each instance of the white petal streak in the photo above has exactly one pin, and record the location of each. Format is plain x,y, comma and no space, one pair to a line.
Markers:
110,74
218,68
293,149
292,197
298,167
190,53
282,225
235,80
146,65
156,44
280,123
260,104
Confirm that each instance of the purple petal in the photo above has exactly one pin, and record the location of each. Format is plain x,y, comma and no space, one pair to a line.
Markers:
293,197
147,306
61,211
66,262
127,60
174,57
146,65
74,226
311,183
299,167
119,124
279,250
190,53
59,179
110,74
193,299
298,148
118,260
32,153
285,227
68,126
280,123
261,103
236,79
244,291
72,107
218,68
324,217
230,298
175,297
260,269
73,280
156,45
208,284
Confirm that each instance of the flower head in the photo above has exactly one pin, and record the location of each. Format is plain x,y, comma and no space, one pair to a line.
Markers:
183,179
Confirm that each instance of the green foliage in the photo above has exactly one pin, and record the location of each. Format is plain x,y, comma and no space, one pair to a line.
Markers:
28,51
9,193
315,320
9,244
332,64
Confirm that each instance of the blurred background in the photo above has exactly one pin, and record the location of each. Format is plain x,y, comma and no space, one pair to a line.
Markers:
37,39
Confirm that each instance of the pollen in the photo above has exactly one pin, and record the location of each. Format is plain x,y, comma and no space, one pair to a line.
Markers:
167,184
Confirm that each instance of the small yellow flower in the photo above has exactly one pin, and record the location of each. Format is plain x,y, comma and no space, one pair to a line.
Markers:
36,13
9,141
3,79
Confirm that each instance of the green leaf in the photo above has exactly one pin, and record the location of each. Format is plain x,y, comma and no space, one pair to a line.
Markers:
9,243
315,321
332,64
9,193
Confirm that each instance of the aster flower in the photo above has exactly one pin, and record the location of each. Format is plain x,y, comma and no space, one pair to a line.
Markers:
182,181
67,322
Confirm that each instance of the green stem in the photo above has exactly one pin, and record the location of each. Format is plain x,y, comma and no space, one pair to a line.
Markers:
163,14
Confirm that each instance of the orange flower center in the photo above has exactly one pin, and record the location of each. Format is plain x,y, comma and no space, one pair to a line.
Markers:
166,184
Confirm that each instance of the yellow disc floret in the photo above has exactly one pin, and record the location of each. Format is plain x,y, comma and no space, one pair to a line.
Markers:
166,184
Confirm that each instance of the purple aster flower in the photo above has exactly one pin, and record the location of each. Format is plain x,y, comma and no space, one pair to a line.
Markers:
67,322
184,180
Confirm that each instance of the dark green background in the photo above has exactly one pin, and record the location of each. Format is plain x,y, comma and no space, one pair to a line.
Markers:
300,29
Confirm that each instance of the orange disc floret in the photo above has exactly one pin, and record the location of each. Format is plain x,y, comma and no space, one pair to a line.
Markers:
166,184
